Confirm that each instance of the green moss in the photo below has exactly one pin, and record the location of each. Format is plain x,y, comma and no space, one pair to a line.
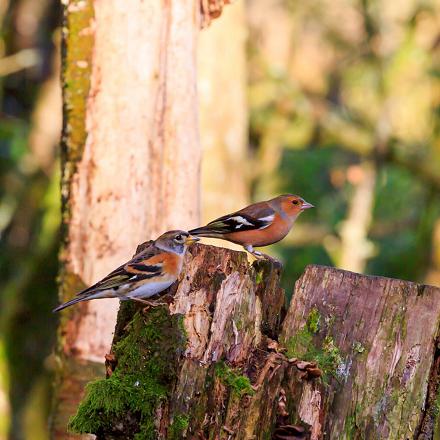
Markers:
77,67
350,427
78,42
302,342
145,372
239,384
358,347
329,359
239,324
313,320
178,427
259,276
217,281
436,404
70,284
105,400
435,412
182,328
329,321
302,346
267,435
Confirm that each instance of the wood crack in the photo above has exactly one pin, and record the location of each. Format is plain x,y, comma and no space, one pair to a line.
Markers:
430,415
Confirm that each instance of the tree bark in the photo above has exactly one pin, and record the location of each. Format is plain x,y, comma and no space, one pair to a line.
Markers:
355,357
381,336
130,158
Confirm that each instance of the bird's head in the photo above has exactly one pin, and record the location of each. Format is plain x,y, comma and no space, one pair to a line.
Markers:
175,241
293,205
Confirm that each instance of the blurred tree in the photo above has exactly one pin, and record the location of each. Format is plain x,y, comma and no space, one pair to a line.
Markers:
223,113
30,124
350,89
433,276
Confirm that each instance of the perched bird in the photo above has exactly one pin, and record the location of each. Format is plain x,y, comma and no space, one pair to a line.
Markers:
257,225
148,273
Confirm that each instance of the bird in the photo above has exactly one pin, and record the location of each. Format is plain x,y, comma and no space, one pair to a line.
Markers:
149,272
256,225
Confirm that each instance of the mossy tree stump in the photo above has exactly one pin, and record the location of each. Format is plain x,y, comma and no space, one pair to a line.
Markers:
355,357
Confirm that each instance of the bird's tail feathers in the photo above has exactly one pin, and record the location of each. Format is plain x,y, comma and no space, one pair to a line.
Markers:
206,232
79,298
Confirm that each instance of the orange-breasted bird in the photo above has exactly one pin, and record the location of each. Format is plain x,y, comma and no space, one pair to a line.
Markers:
148,273
257,225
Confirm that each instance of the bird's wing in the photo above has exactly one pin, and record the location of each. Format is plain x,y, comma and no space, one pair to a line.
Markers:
258,216
142,266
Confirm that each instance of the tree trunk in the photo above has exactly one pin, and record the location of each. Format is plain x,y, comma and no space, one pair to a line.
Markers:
169,369
131,158
354,358
376,339
355,249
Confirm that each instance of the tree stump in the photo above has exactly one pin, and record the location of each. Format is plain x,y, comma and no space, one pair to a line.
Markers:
354,357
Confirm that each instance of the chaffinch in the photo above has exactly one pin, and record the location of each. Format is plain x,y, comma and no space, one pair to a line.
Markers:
257,225
149,272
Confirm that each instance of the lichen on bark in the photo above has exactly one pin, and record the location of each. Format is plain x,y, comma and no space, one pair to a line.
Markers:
77,50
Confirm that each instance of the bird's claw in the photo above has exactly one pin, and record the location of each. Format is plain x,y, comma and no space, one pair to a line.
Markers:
261,256
149,303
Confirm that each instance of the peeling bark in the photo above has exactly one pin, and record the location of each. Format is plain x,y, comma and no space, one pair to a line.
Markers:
355,357
211,9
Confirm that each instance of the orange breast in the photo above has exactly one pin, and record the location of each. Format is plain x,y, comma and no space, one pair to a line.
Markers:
172,264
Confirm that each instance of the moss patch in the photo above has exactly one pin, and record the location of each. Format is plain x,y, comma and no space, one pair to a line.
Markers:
145,372
313,321
302,345
178,427
239,384
358,347
259,277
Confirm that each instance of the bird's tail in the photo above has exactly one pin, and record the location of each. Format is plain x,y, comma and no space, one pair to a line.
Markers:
80,297
206,231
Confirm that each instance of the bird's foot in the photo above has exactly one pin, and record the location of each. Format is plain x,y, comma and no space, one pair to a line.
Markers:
149,303
261,256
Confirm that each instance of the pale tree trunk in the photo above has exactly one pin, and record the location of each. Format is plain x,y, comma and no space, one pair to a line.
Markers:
222,84
131,158
355,248
354,357
433,275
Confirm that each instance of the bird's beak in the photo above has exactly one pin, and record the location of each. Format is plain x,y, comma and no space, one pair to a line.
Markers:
191,239
306,205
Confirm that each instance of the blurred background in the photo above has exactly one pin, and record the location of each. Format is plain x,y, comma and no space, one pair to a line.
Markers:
338,101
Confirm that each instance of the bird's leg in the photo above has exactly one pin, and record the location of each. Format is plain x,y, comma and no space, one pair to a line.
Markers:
260,255
148,303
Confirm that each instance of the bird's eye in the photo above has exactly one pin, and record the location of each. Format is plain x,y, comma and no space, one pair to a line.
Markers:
295,202
178,237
